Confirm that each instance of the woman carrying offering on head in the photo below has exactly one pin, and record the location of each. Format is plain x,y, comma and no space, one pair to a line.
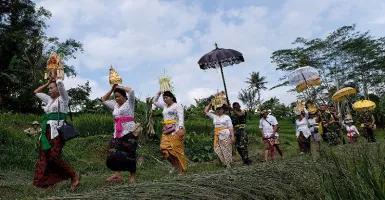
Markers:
172,142
224,133
50,168
122,148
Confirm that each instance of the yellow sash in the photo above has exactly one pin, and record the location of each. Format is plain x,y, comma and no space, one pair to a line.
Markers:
240,125
217,134
320,130
170,121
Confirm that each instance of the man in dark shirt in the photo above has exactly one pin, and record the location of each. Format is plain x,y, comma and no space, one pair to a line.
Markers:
241,138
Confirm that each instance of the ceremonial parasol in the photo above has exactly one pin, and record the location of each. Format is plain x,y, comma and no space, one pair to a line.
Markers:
219,58
343,94
364,105
304,77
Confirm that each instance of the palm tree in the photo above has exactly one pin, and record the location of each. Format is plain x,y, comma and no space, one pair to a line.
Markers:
247,97
257,83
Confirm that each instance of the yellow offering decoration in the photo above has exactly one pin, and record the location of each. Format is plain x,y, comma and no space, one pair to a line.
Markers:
165,83
364,105
299,107
115,79
311,109
54,67
219,100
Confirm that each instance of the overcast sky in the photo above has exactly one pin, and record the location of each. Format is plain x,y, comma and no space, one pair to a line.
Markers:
142,38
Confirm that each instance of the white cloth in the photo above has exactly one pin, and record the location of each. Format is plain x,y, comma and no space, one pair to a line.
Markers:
174,112
221,121
312,123
267,129
302,126
127,109
351,129
52,106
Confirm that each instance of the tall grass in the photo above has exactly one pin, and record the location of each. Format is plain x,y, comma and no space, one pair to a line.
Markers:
358,173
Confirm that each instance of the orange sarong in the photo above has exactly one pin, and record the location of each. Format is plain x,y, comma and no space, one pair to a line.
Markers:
173,145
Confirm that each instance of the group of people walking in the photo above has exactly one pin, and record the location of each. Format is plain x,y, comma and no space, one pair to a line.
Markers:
51,168
324,124
229,130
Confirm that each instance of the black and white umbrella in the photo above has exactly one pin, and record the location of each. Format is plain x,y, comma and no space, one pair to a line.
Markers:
219,58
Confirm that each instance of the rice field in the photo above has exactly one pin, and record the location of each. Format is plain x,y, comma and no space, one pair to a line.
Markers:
321,175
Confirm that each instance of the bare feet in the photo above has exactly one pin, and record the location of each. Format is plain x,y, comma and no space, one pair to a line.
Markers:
132,178
114,178
47,189
301,153
75,181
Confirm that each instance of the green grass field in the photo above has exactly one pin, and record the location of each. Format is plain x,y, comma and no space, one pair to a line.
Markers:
323,174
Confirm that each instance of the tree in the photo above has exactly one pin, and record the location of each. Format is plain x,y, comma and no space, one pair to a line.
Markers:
79,96
278,109
248,97
344,57
257,83
24,50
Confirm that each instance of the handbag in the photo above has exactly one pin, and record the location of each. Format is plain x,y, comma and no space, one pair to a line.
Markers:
169,128
67,131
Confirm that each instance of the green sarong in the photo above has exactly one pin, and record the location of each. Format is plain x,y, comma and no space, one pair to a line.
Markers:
46,117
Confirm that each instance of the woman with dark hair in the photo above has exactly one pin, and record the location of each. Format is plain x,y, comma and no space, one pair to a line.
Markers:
122,148
303,132
50,168
172,143
224,134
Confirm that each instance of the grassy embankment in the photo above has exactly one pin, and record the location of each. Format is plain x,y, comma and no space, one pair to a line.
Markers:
324,175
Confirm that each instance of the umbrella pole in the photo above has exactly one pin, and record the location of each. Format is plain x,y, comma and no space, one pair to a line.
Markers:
224,84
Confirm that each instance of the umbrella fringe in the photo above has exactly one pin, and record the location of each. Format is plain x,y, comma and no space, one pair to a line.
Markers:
224,63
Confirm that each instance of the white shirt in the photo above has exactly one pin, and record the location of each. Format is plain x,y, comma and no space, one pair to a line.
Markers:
221,121
302,126
267,128
127,109
174,112
313,123
351,130
52,106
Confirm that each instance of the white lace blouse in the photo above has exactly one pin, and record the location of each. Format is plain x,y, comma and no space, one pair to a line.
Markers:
52,106
127,109
302,126
174,112
221,121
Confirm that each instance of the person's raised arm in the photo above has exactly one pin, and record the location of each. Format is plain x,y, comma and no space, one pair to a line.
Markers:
131,94
207,108
239,113
39,92
156,103
41,88
62,90
108,94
